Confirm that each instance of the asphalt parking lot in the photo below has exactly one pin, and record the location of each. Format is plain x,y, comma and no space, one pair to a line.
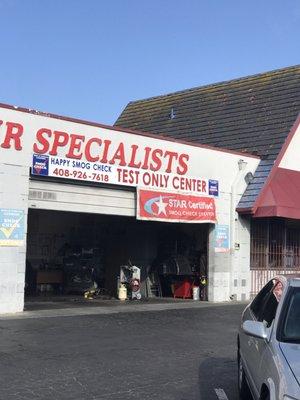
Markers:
173,353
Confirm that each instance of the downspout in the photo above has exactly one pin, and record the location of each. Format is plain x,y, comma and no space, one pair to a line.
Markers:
241,165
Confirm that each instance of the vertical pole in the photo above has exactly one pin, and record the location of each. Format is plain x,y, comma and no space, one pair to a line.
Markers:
266,275
284,248
267,244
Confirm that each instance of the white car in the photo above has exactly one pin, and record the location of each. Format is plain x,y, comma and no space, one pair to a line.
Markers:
269,343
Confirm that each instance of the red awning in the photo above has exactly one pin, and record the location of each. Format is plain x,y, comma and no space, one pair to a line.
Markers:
281,197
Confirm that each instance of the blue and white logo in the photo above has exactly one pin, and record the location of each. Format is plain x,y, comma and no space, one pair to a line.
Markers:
40,165
213,187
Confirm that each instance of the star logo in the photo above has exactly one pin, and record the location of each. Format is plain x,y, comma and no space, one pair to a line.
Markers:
161,206
159,203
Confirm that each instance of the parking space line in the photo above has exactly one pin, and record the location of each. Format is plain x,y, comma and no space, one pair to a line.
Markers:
221,394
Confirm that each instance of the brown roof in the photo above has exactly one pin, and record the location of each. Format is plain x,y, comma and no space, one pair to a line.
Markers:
252,114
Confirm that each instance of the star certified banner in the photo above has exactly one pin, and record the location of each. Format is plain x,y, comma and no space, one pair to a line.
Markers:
174,207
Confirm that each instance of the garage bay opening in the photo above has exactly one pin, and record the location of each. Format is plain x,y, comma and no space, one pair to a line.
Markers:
70,254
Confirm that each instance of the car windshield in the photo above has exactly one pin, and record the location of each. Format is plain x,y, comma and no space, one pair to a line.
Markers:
291,326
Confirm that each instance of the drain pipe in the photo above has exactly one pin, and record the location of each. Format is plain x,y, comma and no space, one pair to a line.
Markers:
241,166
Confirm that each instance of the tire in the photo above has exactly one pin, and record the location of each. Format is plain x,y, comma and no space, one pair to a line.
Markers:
244,391
265,395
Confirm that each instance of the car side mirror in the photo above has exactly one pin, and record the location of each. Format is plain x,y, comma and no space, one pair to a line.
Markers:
255,328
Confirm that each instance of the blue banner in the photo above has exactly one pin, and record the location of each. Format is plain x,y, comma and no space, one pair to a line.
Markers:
221,238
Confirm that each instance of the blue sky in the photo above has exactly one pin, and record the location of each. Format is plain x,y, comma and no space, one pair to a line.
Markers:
88,59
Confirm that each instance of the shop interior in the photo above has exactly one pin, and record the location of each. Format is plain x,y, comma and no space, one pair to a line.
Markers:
72,254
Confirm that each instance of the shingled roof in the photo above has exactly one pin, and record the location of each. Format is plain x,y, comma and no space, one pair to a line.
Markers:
252,114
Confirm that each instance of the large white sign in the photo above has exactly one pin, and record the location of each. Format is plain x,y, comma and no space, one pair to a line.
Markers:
78,150
85,152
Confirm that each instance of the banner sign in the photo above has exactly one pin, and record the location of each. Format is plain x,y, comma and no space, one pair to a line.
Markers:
82,151
174,207
61,167
11,227
221,238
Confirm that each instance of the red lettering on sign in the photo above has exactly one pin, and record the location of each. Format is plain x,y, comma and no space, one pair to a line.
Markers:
75,145
183,167
156,163
60,140
132,163
107,144
171,155
119,155
42,140
14,131
95,149
87,150
146,158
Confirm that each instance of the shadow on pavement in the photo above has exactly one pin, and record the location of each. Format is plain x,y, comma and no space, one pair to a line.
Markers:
218,373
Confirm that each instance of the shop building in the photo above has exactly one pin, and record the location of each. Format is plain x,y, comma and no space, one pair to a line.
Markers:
210,171
79,199
256,114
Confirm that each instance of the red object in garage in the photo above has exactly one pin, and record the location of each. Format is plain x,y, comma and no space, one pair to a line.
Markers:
183,289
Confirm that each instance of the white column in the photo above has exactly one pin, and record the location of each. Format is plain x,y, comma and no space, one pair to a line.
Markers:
14,182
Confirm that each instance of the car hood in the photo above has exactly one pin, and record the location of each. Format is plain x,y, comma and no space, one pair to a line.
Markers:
291,353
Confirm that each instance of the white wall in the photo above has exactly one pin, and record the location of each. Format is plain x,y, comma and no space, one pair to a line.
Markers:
14,182
14,191
229,272
241,277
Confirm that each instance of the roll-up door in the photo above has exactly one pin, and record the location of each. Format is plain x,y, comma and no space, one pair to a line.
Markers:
77,198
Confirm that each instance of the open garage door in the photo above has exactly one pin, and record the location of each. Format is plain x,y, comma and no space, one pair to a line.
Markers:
69,252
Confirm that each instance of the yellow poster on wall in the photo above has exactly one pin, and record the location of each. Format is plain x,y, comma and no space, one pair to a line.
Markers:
11,227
